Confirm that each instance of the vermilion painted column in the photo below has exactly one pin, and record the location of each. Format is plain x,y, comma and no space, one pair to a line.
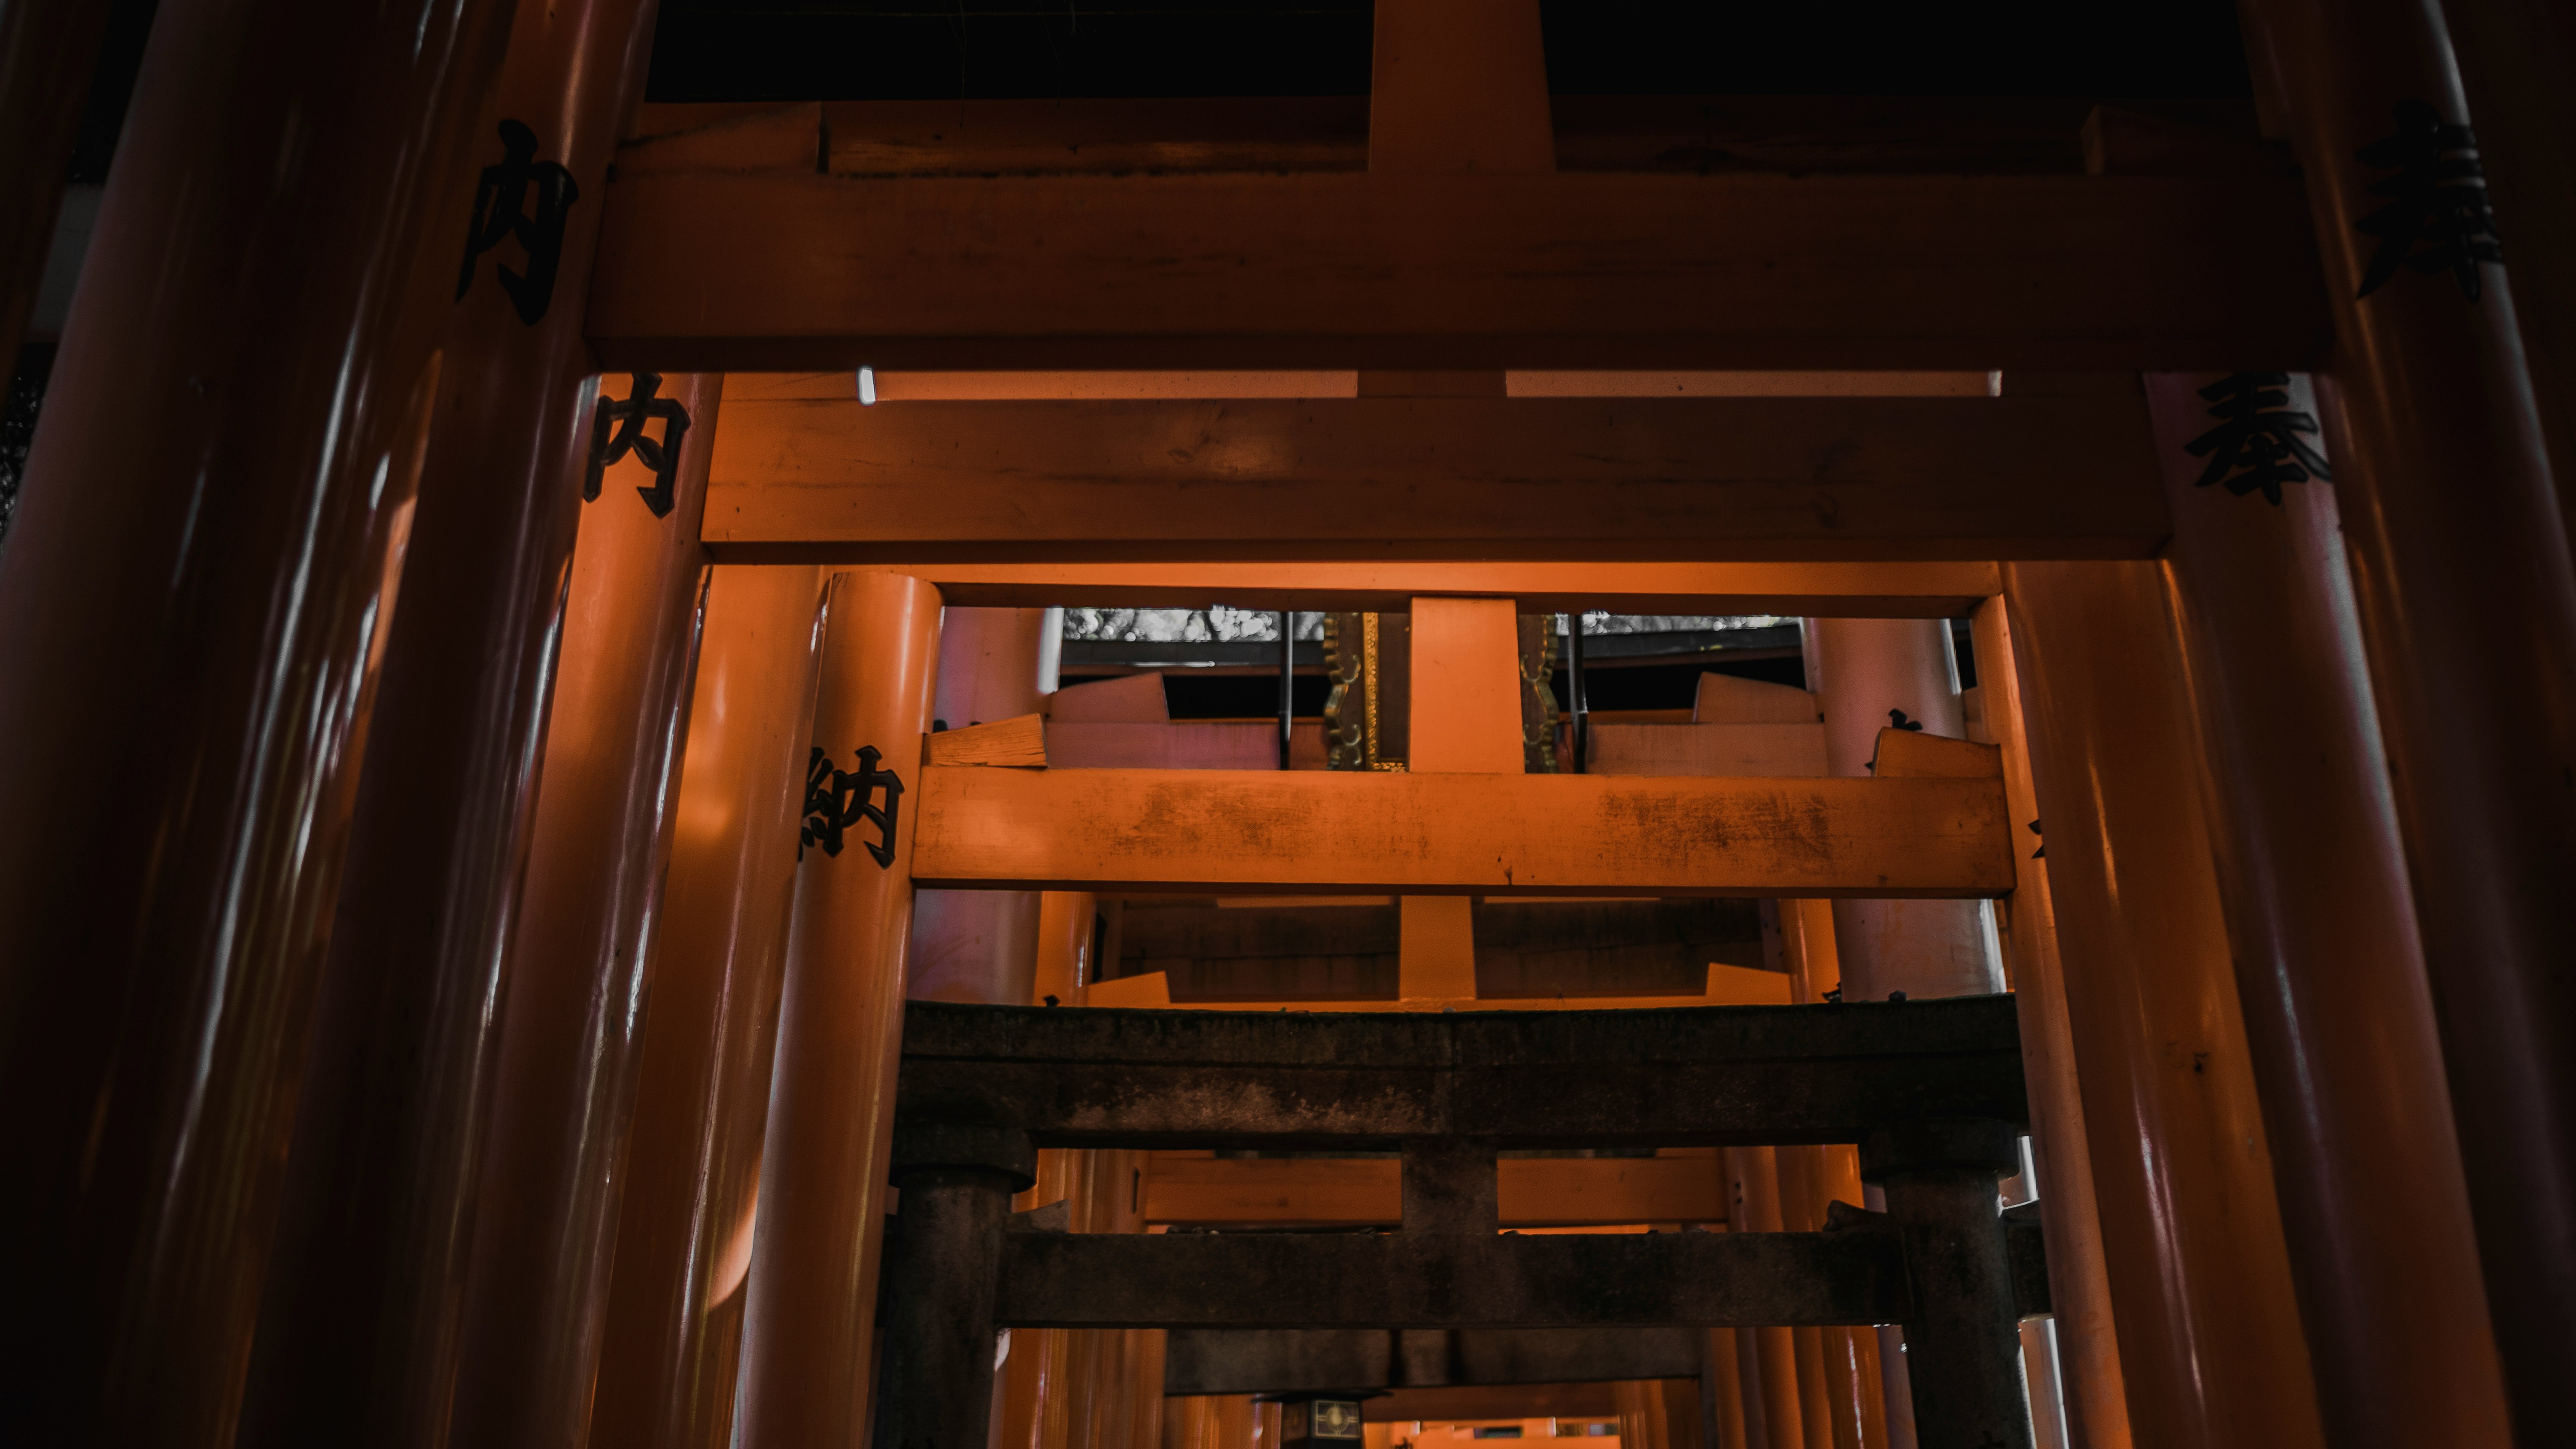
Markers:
2468,611
2088,1340
2210,1346
197,584
1753,1206
978,946
579,971
684,1229
807,1345
360,1333
1869,674
2329,963
48,51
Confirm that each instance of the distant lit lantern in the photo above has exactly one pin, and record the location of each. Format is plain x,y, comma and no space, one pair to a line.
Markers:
1317,1421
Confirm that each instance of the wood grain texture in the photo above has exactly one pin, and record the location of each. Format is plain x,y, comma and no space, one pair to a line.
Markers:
1017,742
778,271
1541,478
1296,831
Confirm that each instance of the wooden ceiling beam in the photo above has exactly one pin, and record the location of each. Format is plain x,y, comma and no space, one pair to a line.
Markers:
1288,831
714,271
1934,590
1838,479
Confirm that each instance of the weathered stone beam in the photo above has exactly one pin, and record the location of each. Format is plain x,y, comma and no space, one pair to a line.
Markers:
1400,1280
1685,1077
1274,1360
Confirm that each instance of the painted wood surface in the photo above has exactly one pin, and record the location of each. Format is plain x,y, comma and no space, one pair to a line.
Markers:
1841,478
719,270
1297,831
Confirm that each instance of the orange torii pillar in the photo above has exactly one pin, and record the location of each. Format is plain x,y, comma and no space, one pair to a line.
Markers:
808,1340
1769,1372
2467,601
396,1092
684,1230
1813,1177
1034,1387
2210,1346
978,946
195,592
580,966
2329,963
1869,675
2091,1389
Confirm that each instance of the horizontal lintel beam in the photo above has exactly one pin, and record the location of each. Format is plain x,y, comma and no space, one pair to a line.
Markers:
713,271
1930,590
1273,1360
1395,833
2059,476
1400,1280
1227,1192
1323,1080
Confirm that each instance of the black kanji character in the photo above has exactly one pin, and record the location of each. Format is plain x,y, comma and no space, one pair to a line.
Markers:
2436,218
1896,720
501,210
837,799
2255,446
617,428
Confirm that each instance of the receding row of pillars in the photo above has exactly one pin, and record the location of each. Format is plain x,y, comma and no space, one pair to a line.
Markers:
323,1028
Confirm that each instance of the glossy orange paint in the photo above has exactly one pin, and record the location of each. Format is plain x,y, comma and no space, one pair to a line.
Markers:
2467,602
670,1356
581,958
193,606
2329,960
2088,1338
2211,1349
807,1343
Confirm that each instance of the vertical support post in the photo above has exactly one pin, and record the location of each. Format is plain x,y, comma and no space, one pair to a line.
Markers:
563,1094
944,1269
2210,1345
2329,961
1771,1379
409,1044
684,1232
1579,702
1466,718
2467,599
1869,675
1449,1188
1287,683
199,578
1964,1338
840,1028
980,946
2079,1285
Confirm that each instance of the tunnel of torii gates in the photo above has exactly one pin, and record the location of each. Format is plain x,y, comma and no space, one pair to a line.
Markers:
411,679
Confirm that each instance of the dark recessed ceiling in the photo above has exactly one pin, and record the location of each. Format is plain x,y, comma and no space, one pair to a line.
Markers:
743,50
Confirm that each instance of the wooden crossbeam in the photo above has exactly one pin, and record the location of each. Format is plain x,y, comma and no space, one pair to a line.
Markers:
1943,590
710,271
1285,831
1356,1192
1842,478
